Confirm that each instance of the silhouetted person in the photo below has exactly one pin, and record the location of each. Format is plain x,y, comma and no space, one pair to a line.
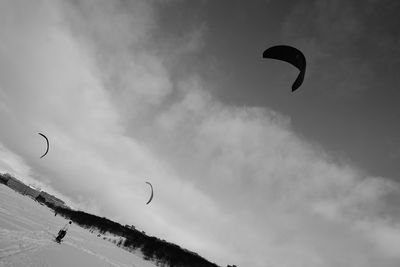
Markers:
63,232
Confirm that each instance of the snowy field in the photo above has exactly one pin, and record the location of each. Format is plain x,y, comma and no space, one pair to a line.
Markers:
27,230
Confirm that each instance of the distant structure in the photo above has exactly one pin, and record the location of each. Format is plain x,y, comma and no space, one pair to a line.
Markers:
19,186
50,199
37,188
16,184
130,227
31,191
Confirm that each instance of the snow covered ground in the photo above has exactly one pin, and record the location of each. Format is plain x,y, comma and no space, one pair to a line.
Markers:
27,230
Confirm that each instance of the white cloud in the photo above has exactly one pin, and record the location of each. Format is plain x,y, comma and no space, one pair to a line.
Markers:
233,183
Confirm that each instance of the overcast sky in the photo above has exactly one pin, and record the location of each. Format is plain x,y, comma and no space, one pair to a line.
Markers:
176,93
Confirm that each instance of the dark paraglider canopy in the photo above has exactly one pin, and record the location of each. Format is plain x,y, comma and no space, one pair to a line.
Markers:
48,146
290,55
151,197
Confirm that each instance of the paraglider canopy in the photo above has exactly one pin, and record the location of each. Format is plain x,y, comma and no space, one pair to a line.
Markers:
151,197
291,55
48,145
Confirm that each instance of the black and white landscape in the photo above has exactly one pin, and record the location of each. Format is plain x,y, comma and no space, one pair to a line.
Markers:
163,114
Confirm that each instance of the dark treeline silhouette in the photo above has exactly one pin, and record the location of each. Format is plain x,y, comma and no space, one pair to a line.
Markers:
162,252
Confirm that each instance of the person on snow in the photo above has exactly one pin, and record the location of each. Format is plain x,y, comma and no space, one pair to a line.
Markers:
63,232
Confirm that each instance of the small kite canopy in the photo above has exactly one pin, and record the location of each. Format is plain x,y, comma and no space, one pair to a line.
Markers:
48,146
291,55
151,197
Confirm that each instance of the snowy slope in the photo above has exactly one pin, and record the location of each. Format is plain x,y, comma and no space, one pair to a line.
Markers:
28,228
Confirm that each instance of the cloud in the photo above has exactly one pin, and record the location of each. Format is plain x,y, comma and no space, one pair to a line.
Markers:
235,184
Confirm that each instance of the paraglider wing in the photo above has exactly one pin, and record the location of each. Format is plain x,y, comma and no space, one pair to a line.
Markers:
151,197
290,55
47,141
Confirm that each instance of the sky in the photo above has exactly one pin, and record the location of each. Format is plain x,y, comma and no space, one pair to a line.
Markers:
177,93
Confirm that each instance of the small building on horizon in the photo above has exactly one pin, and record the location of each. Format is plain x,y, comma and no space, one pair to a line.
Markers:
21,188
132,227
52,199
30,191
